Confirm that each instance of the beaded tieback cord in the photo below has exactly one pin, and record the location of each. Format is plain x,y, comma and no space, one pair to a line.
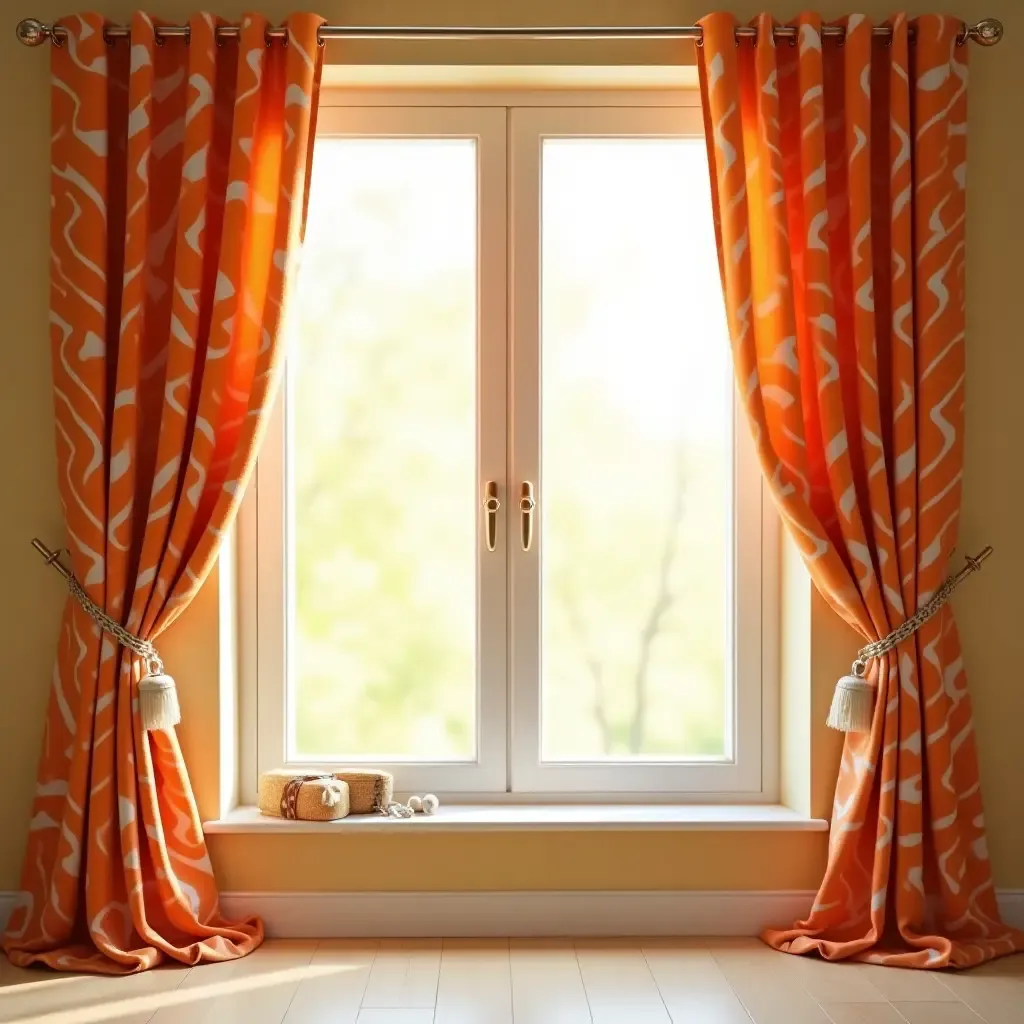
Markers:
853,703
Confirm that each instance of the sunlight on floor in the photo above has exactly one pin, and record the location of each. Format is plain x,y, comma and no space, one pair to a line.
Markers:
144,1006
525,981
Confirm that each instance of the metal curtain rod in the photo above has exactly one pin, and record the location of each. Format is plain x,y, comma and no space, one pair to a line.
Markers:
32,32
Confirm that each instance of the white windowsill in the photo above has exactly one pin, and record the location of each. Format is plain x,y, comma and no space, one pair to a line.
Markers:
529,817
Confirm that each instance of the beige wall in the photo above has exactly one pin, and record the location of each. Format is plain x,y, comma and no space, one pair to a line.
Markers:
989,608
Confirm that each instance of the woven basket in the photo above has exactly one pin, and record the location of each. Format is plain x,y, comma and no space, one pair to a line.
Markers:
289,794
369,791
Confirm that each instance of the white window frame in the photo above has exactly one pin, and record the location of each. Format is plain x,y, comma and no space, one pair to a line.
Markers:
741,770
508,765
275,537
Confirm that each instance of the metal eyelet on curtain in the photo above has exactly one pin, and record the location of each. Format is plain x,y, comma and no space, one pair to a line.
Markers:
58,40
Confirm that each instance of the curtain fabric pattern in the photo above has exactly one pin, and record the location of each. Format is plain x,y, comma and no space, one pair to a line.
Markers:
838,179
179,177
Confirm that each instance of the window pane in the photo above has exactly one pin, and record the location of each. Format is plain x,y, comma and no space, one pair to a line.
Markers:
636,455
382,450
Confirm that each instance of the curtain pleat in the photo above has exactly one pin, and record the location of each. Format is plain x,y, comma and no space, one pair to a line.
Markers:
179,173
838,184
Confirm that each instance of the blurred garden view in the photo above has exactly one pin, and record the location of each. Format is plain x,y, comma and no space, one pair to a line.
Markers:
636,455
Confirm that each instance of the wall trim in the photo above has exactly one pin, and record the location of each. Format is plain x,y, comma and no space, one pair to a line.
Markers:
449,914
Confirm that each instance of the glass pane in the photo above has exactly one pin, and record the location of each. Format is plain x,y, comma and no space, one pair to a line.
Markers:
636,455
382,449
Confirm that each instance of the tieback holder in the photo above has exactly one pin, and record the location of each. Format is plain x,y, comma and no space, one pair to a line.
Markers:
853,703
158,696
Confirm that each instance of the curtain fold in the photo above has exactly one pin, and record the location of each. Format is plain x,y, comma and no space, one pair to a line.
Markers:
838,182
179,179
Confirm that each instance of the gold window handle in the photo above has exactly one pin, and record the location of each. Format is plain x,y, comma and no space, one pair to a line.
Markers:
491,506
526,509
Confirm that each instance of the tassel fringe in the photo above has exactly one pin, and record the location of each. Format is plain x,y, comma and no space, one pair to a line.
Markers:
158,702
853,705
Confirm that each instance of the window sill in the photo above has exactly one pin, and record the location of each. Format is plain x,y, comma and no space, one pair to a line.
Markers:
536,817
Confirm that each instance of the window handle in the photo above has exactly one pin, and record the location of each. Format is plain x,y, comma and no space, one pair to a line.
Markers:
526,507
491,506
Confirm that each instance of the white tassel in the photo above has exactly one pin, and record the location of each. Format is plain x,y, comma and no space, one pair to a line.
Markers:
332,794
853,705
158,702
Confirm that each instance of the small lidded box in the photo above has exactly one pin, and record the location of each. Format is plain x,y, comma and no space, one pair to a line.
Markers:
289,794
370,791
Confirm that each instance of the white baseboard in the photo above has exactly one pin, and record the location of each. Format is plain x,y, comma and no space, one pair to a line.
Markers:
450,914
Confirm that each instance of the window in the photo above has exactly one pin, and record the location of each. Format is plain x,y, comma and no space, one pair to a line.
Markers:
506,532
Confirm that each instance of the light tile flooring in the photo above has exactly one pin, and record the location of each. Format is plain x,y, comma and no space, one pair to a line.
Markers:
525,981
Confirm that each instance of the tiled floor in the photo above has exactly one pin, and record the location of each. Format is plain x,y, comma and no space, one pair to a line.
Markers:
525,981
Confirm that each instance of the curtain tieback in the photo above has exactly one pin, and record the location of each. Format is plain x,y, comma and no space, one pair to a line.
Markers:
158,696
853,704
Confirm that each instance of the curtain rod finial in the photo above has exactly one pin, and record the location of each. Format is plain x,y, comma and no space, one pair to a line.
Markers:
987,32
32,32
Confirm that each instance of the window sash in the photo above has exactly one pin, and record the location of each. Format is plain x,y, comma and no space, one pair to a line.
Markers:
487,772
742,772
508,580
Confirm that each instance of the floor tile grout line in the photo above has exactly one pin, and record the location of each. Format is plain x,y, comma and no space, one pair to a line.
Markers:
746,1009
896,1010
508,967
295,991
184,975
437,983
583,983
657,987
366,983
883,998
732,987
960,999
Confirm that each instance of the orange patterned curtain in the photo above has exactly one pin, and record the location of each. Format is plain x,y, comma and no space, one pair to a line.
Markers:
179,176
838,177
